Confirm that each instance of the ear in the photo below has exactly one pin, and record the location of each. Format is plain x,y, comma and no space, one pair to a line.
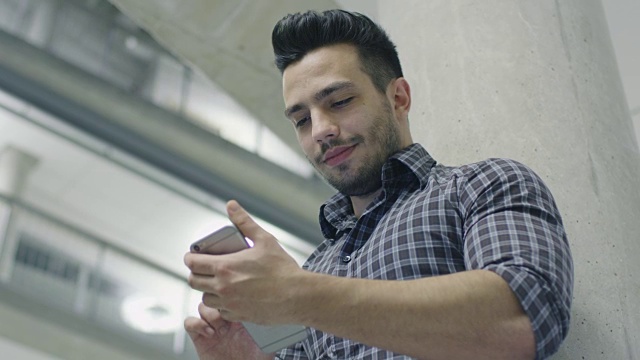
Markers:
400,97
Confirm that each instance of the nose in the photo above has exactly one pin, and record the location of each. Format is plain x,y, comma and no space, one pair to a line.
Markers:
324,127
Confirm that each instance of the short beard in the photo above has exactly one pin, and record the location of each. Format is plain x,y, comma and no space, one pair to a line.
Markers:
368,176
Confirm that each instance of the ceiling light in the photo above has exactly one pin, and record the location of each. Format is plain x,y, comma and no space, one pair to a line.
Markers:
152,315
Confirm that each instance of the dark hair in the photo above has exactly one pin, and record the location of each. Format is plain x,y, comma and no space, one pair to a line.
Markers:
295,35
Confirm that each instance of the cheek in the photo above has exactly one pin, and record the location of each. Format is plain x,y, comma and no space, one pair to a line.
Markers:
306,143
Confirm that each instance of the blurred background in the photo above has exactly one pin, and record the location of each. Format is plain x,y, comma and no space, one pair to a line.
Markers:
117,151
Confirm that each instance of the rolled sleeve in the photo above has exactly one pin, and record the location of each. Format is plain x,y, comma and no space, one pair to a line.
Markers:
294,352
513,228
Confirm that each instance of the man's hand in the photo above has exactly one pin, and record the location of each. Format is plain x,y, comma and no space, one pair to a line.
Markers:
250,285
218,339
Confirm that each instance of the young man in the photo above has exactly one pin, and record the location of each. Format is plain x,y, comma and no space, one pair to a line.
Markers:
485,263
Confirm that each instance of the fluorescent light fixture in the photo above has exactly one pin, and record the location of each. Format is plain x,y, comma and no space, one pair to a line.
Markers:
152,315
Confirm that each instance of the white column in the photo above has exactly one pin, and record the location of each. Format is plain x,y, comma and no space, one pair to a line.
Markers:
15,166
537,81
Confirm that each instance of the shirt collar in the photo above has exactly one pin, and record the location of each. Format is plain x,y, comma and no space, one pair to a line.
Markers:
405,169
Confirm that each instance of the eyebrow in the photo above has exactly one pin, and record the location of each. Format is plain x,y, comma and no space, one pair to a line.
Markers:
340,85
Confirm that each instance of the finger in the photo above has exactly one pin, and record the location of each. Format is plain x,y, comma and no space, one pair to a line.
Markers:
204,283
211,301
214,302
212,309
229,316
201,264
248,227
188,259
224,313
213,319
198,327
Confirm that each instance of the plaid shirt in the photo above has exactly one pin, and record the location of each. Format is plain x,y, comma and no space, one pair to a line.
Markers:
434,220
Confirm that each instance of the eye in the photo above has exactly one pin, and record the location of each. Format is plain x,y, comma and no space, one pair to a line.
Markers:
301,122
341,103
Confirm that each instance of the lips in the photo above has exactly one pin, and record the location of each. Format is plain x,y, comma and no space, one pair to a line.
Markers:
337,155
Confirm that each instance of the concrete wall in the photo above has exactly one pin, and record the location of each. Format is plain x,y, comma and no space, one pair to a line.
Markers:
537,81
622,17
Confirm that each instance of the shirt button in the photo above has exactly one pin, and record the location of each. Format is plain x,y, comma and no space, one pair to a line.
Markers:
346,258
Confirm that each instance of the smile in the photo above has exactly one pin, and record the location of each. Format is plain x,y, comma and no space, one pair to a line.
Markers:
337,155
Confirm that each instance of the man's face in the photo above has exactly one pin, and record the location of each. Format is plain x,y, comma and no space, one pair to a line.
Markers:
346,128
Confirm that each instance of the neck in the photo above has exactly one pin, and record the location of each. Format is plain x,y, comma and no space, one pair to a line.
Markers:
360,203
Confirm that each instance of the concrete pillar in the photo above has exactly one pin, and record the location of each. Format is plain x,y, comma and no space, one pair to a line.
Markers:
537,81
15,166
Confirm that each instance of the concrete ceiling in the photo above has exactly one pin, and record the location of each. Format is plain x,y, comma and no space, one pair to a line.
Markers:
230,41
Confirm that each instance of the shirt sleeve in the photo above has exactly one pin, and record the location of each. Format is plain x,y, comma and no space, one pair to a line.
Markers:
513,228
294,352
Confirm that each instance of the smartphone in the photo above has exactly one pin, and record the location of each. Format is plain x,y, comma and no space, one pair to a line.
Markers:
269,338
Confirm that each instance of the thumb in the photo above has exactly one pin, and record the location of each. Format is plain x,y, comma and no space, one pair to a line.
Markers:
247,226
